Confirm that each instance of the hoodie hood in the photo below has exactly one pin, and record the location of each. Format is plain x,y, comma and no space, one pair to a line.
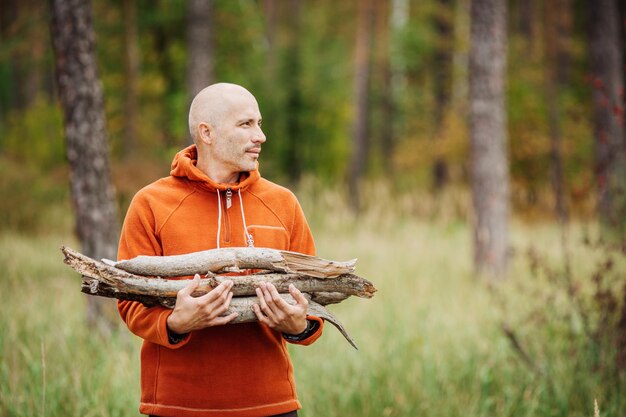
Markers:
184,166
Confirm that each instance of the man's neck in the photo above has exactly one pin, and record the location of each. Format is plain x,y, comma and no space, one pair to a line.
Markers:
220,176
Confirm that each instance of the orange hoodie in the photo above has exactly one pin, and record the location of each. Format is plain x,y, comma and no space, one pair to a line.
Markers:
234,370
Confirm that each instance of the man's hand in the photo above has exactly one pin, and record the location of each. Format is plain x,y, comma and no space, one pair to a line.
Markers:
195,313
277,313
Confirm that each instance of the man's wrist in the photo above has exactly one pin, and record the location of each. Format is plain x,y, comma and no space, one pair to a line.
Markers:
311,327
173,337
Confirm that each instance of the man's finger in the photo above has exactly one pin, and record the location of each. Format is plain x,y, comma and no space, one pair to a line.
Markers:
222,307
297,295
259,314
216,292
263,296
219,321
257,311
191,287
278,300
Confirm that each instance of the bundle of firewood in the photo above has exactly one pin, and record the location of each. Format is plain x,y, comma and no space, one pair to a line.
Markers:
144,278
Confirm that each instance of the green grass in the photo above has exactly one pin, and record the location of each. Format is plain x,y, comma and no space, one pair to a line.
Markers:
430,340
51,364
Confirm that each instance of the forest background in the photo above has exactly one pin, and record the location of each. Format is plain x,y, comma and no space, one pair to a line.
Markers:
436,339
297,59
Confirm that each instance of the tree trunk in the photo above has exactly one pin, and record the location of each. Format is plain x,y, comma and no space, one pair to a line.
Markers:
200,47
361,109
400,11
606,60
163,37
564,27
622,19
131,72
81,98
387,133
26,65
556,29
291,80
490,168
526,22
443,22
270,13
8,15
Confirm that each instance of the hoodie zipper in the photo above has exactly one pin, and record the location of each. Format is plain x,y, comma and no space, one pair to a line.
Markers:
229,198
228,203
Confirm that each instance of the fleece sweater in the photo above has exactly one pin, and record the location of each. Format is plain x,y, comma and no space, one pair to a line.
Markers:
235,370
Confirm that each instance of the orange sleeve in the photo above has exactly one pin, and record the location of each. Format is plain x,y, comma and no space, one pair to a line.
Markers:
139,237
301,240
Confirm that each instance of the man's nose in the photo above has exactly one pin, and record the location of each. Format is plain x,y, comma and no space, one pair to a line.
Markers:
259,136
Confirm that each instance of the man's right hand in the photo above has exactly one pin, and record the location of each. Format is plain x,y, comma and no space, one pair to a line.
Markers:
195,313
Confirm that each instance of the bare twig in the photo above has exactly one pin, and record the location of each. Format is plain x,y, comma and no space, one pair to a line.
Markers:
225,259
107,280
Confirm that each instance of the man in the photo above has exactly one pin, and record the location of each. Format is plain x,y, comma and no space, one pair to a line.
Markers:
193,362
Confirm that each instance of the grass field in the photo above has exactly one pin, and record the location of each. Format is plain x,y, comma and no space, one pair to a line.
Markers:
430,341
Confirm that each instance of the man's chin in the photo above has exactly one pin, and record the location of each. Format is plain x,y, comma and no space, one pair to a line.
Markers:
250,166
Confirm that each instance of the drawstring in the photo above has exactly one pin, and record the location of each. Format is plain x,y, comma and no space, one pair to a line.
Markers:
247,236
219,217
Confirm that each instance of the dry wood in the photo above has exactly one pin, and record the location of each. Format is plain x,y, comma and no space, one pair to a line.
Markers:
325,298
126,282
100,288
105,280
240,305
229,259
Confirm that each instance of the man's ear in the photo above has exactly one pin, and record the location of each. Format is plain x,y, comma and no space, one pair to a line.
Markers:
205,133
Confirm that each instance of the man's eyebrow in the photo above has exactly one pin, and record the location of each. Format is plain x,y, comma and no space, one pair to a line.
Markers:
247,119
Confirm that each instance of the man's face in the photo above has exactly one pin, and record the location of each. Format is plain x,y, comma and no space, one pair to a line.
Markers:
238,138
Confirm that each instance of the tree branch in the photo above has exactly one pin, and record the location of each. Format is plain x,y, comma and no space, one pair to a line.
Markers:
234,259
105,280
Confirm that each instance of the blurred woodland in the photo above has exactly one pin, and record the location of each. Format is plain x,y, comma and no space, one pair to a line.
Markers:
427,126
298,58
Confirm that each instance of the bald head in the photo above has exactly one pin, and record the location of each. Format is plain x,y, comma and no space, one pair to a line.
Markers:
213,103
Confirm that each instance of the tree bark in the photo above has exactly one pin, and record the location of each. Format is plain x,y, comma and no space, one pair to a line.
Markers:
240,305
200,47
131,73
360,119
81,98
294,99
246,284
270,13
555,75
444,29
606,61
229,259
387,133
105,280
527,14
564,28
490,168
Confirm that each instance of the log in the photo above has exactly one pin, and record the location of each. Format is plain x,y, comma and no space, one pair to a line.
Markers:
100,288
240,305
325,298
234,259
244,285
106,280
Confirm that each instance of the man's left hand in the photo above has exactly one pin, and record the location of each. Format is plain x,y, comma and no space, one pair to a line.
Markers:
277,313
